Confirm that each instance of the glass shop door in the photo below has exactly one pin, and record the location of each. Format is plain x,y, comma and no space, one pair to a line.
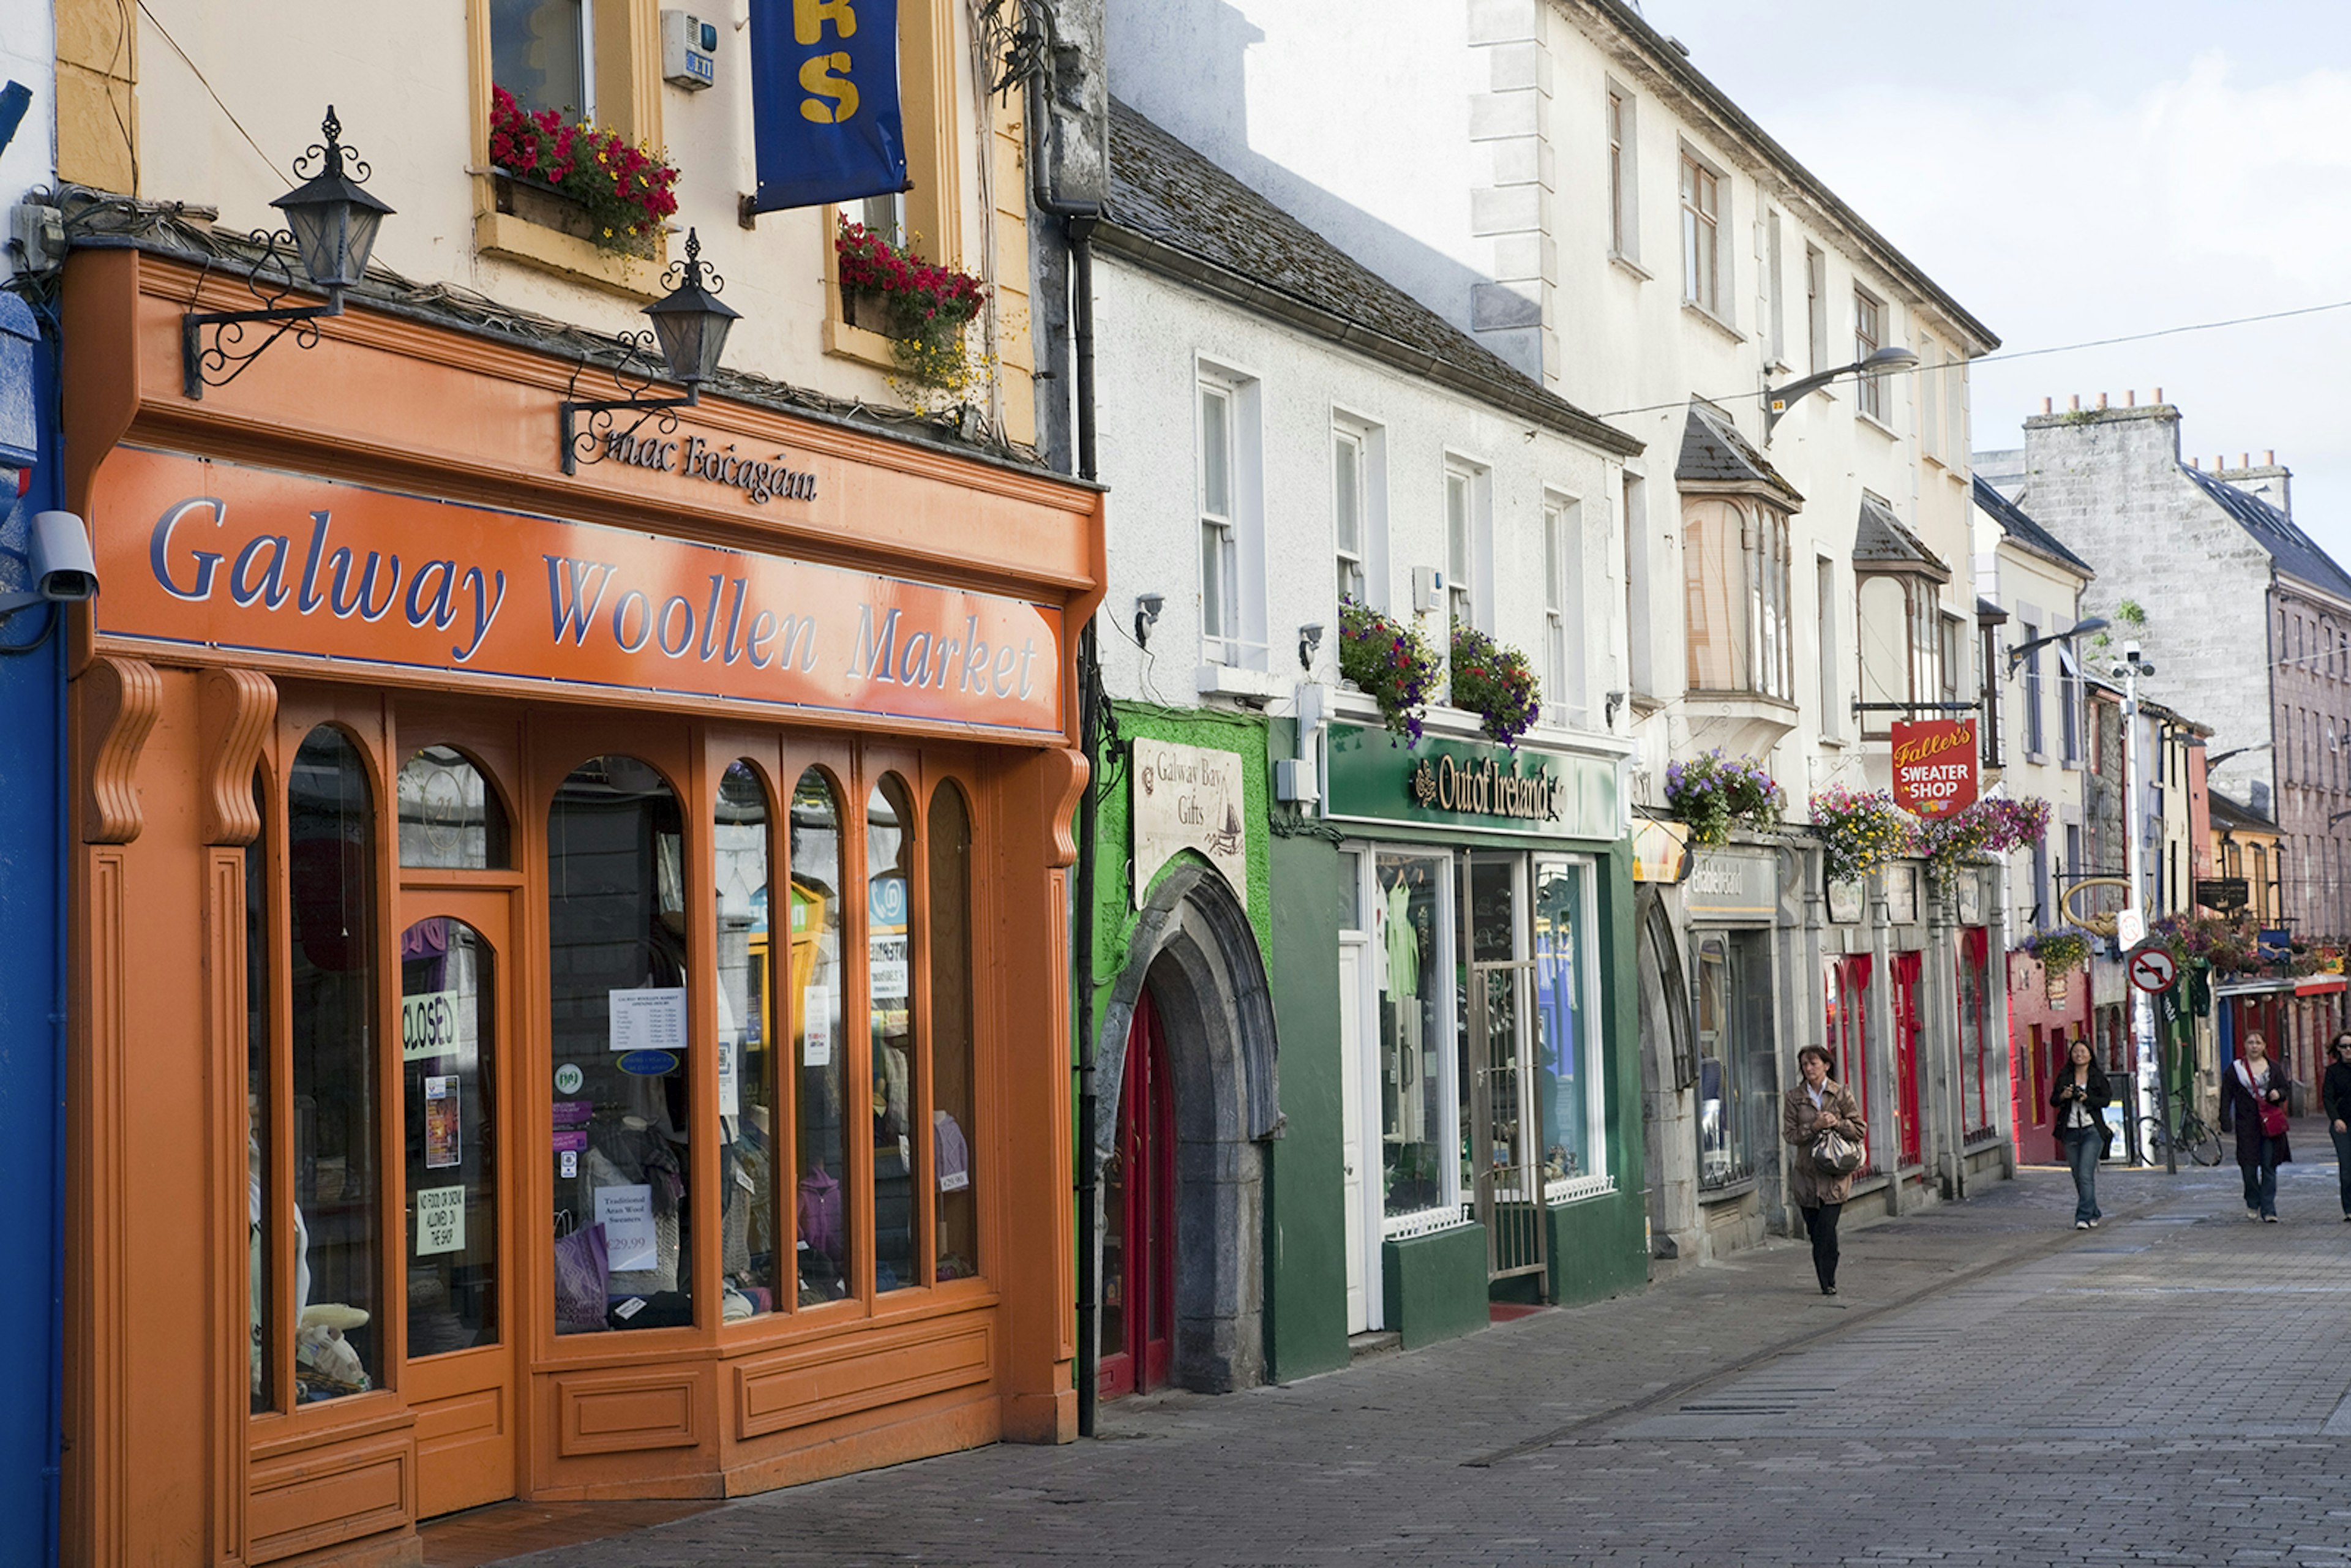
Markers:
457,995
1501,1136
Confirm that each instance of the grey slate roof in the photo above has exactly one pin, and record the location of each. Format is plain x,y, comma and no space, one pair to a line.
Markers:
1883,540
1714,453
2227,812
2016,525
1178,214
2294,551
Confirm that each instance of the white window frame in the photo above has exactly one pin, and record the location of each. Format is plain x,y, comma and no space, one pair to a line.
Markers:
1620,122
1705,280
1469,544
1825,620
1369,441
1930,397
1774,272
1869,334
1816,308
1446,1212
1238,638
1566,691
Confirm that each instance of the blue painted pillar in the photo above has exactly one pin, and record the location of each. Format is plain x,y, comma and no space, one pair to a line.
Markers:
32,959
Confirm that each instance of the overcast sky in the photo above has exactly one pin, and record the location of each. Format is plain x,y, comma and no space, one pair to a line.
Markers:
2088,169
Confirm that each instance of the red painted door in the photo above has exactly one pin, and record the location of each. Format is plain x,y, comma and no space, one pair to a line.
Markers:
1848,1035
1906,1051
1138,1314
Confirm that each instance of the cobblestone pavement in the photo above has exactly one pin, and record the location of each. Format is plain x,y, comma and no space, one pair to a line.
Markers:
1991,1387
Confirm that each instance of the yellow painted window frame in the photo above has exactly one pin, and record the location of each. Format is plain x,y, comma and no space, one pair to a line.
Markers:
628,100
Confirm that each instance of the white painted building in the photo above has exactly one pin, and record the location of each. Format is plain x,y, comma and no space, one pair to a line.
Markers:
1558,179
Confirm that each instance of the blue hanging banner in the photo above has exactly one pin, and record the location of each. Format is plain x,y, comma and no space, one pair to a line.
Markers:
824,101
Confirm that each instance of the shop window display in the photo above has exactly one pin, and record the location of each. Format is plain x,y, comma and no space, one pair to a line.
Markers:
1567,1062
448,1082
450,819
820,1154
336,1310
1416,1025
262,1299
891,1060
747,1080
958,1217
617,964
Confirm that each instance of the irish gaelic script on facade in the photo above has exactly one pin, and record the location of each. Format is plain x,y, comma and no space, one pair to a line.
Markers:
1484,790
760,479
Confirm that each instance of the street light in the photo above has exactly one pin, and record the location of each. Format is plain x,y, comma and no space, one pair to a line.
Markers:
2079,629
331,225
1777,400
689,333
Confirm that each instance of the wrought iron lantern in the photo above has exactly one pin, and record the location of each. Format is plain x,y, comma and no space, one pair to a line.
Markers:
690,324
331,222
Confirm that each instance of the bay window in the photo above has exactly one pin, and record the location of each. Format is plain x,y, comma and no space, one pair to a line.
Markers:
1735,558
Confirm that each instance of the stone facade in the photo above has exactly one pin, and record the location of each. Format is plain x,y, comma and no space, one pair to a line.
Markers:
2246,623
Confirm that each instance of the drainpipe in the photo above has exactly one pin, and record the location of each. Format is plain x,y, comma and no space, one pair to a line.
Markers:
1078,221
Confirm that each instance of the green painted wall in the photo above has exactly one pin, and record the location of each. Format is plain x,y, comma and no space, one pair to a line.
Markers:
1306,1235
1435,1285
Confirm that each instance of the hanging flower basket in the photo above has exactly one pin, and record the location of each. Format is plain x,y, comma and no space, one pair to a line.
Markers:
593,184
1493,681
1714,794
1860,831
1389,661
922,308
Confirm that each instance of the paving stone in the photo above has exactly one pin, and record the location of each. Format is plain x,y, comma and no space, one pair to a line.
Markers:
1991,1387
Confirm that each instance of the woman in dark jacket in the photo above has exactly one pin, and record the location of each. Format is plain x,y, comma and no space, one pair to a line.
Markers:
1819,1104
2336,1096
2081,1098
2252,1082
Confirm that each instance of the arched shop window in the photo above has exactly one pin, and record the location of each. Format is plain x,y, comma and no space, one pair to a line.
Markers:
316,1190
752,1255
893,1057
821,1211
617,966
952,1096
450,819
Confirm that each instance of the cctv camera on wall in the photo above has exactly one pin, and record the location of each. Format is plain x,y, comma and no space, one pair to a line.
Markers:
60,567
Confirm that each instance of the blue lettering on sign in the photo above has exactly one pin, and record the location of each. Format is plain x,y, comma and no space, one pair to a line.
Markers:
647,1063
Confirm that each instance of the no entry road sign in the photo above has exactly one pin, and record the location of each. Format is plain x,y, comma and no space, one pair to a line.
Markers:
2152,969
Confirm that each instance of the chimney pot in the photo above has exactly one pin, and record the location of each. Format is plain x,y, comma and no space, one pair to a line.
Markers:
2269,458
2158,394
2244,460
2074,403
2130,398
2048,405
2197,463
2102,400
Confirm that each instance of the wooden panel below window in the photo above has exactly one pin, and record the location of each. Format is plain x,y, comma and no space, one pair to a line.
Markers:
776,1393
613,1414
324,1496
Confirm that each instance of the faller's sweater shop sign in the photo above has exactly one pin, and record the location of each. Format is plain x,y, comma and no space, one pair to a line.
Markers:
200,554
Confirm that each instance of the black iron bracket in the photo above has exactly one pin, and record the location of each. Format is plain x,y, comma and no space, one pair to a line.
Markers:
590,442
226,358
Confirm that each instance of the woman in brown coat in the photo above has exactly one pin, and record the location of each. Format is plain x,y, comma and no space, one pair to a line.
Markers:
1817,1105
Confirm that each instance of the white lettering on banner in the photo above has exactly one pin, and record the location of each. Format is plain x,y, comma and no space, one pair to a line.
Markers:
1189,798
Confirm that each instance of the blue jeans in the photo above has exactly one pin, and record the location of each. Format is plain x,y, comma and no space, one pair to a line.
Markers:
2083,1147
2260,1179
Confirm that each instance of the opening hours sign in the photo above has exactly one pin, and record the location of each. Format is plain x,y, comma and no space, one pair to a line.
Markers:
1935,766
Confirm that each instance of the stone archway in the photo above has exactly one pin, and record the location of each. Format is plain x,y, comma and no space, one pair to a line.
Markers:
1195,948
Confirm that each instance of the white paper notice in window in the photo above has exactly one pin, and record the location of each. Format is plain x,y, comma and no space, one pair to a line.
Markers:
440,1220
651,1020
626,1213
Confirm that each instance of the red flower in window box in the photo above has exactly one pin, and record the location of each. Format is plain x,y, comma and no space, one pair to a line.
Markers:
625,193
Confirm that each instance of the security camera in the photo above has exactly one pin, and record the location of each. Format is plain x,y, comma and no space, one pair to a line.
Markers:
2130,653
62,570
1146,616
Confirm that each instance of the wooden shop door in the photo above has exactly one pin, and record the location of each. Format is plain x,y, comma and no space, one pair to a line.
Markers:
458,990
1138,1314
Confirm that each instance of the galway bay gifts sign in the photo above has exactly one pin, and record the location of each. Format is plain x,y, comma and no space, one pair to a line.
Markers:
200,554
1935,766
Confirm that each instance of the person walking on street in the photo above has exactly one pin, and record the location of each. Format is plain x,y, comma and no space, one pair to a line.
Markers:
2080,1099
1814,1108
2252,1103
2335,1095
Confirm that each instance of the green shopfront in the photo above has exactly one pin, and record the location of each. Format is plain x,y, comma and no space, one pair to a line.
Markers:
1488,1077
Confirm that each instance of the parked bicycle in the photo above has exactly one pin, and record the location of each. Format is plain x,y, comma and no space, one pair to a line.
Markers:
2196,1139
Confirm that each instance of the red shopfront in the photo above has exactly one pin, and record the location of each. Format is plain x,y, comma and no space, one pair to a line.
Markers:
2044,1020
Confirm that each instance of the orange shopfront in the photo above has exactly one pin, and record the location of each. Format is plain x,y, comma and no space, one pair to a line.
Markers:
567,969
